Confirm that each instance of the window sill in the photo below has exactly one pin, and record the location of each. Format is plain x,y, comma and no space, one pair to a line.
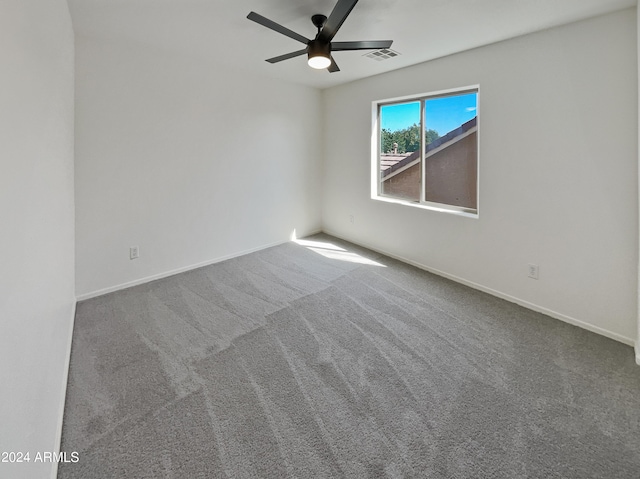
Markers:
440,209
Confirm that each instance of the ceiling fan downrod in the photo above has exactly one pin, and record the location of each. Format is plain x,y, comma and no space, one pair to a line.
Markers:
318,20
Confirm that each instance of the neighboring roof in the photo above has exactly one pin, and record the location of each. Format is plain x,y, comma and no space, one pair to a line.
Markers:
462,129
390,163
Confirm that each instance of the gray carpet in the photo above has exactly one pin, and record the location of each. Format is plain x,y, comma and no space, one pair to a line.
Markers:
297,362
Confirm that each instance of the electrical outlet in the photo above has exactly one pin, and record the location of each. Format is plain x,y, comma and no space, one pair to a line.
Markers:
533,271
134,252
351,219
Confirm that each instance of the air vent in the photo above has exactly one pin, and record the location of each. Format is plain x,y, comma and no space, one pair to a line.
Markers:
383,54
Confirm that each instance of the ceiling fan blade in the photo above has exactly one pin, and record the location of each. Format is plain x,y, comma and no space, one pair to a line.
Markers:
336,19
333,67
286,56
366,45
277,27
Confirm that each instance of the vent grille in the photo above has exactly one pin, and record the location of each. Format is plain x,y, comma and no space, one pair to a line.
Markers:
383,54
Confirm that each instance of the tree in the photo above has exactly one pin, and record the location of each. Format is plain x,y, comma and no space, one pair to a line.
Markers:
408,139
432,135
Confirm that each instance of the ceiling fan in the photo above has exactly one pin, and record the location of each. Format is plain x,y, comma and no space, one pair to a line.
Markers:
319,49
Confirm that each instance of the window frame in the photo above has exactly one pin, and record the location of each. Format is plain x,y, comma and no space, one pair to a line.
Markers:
376,145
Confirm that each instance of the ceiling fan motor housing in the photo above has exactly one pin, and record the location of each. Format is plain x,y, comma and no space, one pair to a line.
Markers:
319,48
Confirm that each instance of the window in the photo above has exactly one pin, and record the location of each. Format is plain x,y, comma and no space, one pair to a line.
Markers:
427,150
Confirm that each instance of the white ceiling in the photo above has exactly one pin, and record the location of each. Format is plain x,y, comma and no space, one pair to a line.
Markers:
217,31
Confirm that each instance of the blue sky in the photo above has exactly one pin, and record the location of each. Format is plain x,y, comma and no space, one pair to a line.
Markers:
443,114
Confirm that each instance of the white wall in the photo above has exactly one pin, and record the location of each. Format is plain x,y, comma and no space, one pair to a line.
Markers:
37,226
186,160
638,133
558,172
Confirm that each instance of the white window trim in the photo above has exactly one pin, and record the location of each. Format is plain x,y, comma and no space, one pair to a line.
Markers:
375,149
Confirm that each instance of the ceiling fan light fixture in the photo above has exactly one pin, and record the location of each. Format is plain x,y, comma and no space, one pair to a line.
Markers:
319,55
319,62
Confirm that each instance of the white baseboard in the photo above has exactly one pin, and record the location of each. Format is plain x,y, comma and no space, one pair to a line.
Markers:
183,269
637,348
500,294
493,292
63,399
